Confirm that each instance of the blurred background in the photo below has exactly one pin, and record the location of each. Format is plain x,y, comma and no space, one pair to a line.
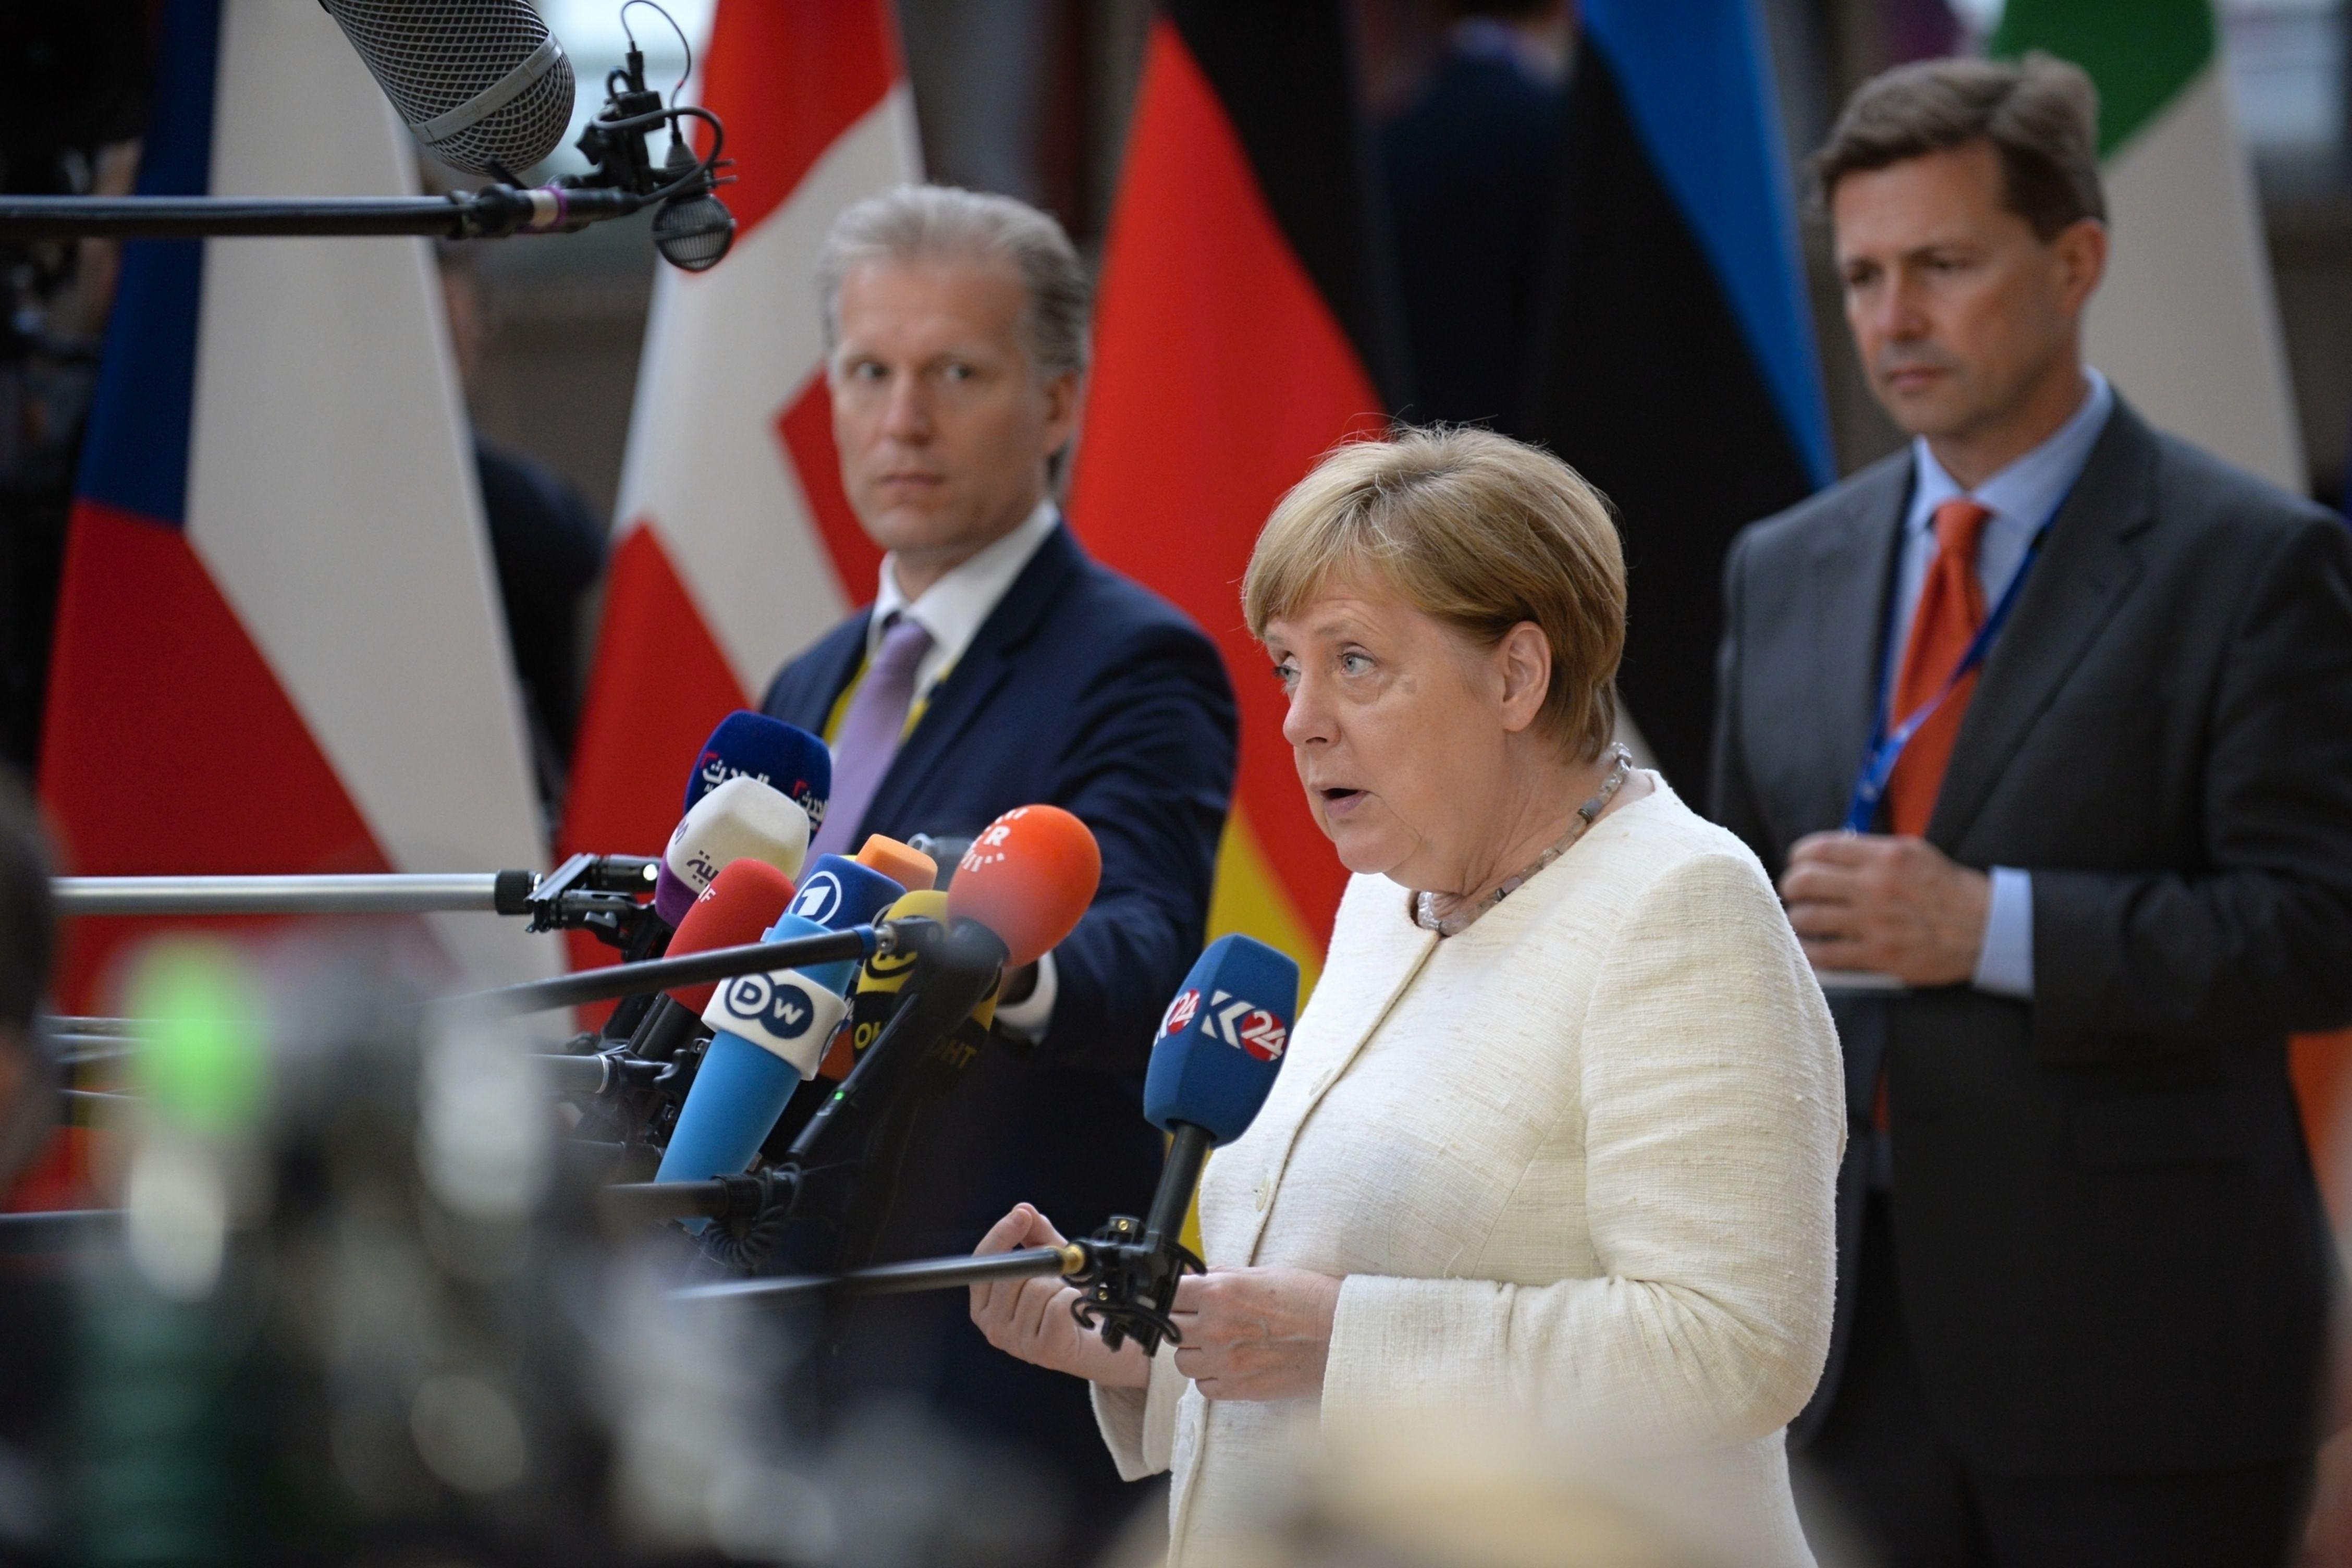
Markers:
1032,97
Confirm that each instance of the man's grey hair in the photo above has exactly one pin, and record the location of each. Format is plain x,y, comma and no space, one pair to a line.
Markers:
914,222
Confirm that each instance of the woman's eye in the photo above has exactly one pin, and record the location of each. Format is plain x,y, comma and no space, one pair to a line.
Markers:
959,372
1356,663
865,370
1285,675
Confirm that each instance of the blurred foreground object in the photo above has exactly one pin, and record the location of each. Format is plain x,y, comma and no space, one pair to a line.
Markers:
1440,1490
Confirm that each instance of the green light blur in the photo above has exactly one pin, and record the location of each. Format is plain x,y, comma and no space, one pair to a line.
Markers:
203,1065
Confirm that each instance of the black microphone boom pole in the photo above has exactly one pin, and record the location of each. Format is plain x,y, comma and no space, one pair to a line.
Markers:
1067,1260
661,973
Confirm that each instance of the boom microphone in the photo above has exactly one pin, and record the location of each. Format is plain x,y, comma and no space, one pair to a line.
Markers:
482,84
743,819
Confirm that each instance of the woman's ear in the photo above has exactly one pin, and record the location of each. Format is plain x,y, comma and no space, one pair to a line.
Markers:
1524,660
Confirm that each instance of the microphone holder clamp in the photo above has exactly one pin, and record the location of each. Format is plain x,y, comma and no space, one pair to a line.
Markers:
1128,1287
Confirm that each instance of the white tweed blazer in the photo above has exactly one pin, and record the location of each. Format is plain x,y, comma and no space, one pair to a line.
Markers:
1579,1161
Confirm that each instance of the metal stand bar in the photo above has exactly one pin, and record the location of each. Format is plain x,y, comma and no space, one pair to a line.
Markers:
898,1279
492,213
663,974
45,1230
387,893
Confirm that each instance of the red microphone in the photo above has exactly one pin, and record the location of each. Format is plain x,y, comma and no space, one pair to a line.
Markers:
1028,877
735,911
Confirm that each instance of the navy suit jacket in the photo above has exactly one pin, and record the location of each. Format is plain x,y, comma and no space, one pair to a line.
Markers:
1081,691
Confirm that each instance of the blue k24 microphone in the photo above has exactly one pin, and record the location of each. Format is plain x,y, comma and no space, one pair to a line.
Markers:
1214,1062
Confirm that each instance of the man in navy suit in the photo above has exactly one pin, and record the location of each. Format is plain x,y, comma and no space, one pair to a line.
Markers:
999,666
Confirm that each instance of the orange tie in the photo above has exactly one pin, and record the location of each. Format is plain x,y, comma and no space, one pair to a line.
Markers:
1951,612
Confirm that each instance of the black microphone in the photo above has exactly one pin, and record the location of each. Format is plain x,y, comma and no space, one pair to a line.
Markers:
482,84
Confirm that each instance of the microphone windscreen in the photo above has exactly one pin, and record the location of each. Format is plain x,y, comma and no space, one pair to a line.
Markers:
788,760
742,901
767,1033
1028,877
480,83
741,819
1222,1039
902,863
839,893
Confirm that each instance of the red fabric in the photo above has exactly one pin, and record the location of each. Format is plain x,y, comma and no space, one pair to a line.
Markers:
1951,612
168,746
1222,375
788,77
644,720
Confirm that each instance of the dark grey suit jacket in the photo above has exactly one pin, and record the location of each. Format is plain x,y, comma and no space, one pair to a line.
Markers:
2112,1252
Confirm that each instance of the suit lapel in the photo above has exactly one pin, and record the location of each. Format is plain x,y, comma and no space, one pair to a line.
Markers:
960,699
1848,581
2088,563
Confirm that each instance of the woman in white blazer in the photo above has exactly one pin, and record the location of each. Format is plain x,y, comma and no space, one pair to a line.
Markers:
1558,1128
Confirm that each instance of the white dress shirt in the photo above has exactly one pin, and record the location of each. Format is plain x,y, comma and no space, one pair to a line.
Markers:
952,610
2023,498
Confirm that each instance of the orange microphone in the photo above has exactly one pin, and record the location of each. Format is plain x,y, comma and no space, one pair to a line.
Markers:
738,907
1028,877
902,863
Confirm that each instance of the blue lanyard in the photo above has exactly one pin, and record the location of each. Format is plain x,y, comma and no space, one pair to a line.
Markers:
1886,745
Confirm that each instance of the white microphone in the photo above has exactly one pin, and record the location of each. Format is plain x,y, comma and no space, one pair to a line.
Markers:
481,83
743,819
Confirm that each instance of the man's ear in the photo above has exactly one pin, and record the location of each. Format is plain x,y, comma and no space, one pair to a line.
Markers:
1065,396
2081,247
1524,661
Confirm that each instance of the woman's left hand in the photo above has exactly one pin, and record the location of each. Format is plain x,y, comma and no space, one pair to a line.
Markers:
1256,1333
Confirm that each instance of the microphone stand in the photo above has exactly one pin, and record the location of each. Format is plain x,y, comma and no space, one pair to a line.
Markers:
1069,1260
692,229
662,973
493,212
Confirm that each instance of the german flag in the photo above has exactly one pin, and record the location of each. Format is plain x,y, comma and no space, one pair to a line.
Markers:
1242,331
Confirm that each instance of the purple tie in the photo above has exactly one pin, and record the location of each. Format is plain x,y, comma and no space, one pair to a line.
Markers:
870,733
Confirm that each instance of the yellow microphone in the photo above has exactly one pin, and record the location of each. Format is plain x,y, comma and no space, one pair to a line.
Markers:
880,982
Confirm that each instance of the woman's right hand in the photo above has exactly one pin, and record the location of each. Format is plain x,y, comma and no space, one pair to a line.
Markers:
1030,1318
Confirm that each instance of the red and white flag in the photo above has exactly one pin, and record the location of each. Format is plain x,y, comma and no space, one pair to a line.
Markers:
279,646
734,545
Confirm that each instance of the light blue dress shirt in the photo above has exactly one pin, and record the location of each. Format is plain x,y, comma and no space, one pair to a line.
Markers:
2023,498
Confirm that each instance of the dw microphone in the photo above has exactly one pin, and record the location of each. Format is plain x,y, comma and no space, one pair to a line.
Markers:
482,84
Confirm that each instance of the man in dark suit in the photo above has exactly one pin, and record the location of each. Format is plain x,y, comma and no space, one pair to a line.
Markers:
1000,666
2045,726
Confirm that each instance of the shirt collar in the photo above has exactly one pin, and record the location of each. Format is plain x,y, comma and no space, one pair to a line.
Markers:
954,608
2029,489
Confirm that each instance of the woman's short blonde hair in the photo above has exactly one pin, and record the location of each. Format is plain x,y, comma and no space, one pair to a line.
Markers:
1476,529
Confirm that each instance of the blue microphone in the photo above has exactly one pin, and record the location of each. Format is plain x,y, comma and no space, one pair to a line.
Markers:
789,760
1214,1062
838,892
768,1032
